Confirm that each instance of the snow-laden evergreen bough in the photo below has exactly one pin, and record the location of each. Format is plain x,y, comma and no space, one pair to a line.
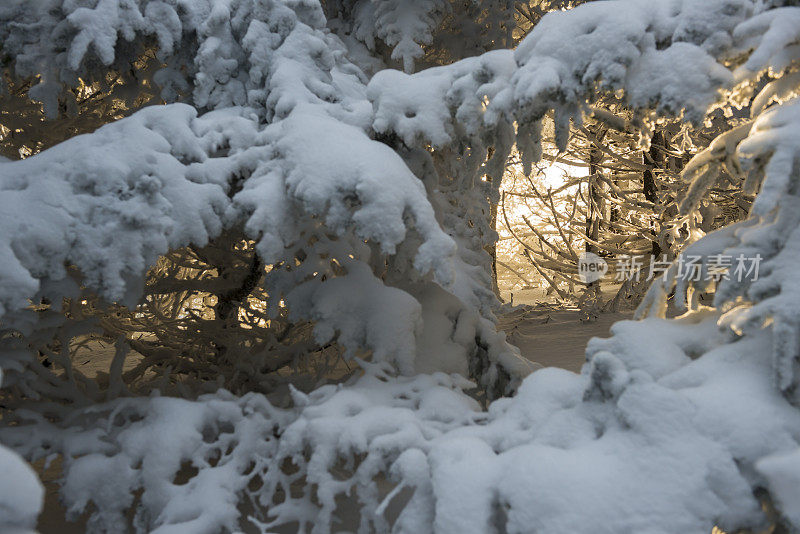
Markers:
373,191
291,164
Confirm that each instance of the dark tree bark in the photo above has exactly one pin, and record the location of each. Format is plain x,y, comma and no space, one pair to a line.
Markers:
654,158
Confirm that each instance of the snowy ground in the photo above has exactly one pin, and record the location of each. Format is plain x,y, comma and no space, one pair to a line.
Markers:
546,334
556,338
550,335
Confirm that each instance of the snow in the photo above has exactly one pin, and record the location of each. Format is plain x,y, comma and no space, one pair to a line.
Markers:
674,339
682,76
21,494
766,150
378,185
341,171
665,56
625,446
420,114
773,35
424,107
558,451
782,472
402,24
111,203
175,169
393,317
554,337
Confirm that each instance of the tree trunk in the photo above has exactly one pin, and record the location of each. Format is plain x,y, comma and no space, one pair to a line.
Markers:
594,211
650,188
492,250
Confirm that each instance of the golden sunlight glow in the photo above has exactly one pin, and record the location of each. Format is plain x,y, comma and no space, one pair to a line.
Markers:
525,215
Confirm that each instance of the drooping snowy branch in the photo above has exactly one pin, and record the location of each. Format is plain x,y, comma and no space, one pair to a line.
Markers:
664,56
295,169
112,202
763,152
